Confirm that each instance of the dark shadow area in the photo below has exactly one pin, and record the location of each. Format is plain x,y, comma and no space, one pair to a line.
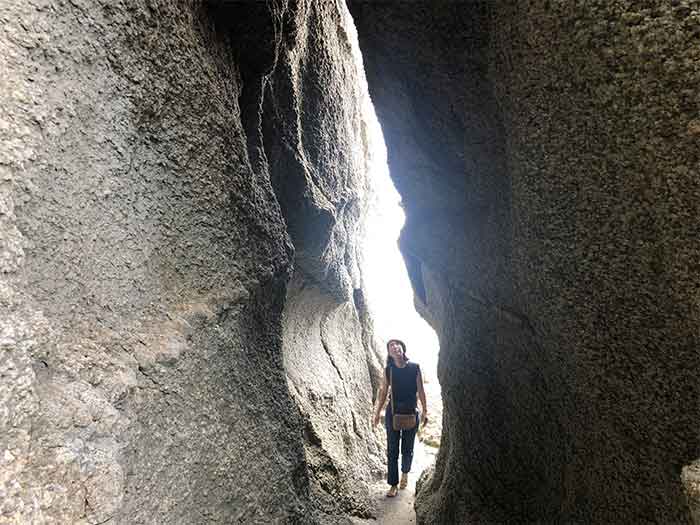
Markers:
559,282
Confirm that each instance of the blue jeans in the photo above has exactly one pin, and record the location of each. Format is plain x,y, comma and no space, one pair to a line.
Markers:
407,439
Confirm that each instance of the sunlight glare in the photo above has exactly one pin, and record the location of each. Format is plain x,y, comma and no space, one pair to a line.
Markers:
388,288
390,296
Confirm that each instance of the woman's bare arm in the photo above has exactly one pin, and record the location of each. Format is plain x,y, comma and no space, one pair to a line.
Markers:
381,400
421,396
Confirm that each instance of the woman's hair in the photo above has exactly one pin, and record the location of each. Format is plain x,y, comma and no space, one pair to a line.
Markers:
389,360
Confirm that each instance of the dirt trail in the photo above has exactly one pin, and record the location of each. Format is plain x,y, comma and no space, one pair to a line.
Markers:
399,510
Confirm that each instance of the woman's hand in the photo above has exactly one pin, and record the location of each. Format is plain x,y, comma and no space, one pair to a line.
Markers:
375,421
424,418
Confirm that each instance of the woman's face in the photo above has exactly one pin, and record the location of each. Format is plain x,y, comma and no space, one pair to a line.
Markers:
395,350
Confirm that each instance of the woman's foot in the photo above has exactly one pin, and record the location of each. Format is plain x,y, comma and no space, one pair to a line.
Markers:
404,480
393,491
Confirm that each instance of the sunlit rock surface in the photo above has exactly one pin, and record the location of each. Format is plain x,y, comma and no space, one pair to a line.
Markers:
691,483
548,156
158,170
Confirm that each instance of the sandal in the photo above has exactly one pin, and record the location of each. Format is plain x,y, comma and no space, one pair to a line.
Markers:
404,481
392,492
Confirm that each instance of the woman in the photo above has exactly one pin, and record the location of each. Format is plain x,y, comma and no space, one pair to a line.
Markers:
406,381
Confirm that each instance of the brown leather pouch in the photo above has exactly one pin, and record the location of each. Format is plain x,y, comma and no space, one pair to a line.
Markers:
403,421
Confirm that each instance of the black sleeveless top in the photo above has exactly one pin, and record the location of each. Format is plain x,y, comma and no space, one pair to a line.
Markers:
403,387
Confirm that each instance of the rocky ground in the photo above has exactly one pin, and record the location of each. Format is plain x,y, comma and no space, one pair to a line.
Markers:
400,510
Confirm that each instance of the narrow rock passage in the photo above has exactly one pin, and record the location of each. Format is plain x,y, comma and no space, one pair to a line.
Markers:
399,510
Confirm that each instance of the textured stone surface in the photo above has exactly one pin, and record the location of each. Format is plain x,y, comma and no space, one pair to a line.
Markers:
146,247
691,483
329,378
311,135
547,155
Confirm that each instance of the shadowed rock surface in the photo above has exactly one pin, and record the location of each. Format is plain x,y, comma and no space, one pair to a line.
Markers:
184,338
159,169
547,156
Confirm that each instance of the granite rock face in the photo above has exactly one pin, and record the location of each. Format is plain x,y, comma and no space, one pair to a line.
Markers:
547,154
328,378
162,178
308,132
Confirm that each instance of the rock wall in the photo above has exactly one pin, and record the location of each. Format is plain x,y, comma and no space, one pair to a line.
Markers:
547,155
310,133
147,246
328,377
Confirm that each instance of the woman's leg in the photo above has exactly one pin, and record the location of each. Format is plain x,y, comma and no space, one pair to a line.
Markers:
408,439
392,449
